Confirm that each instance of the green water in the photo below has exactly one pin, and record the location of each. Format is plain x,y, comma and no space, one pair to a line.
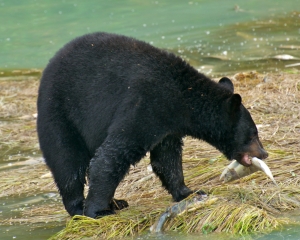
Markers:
217,37
12,208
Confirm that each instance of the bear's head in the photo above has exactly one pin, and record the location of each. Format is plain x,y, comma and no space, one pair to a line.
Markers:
242,136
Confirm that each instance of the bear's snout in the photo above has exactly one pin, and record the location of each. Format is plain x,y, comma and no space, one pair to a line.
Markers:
256,149
264,154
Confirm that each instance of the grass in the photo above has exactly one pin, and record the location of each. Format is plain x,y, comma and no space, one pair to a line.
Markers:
252,204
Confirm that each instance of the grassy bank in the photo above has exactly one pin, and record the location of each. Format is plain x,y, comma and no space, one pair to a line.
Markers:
249,205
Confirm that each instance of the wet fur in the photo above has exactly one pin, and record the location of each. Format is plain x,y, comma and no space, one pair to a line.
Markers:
106,100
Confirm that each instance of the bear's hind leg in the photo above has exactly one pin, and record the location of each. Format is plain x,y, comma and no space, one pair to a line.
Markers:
166,161
71,189
67,157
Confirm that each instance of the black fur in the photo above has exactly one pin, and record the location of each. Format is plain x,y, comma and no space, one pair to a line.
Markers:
105,100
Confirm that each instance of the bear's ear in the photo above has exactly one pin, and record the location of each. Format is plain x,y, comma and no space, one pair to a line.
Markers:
234,102
226,83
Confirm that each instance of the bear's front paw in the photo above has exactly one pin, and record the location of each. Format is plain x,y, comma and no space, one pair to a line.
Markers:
104,213
98,214
118,204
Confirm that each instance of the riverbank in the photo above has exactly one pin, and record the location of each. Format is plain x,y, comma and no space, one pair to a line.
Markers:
250,205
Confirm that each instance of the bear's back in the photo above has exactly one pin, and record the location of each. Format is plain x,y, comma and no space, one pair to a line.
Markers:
116,54
100,75
110,63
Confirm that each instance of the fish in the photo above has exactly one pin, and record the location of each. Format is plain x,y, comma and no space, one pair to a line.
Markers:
187,205
236,171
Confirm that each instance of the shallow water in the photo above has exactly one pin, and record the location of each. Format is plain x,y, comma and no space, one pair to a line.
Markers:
288,233
11,208
217,37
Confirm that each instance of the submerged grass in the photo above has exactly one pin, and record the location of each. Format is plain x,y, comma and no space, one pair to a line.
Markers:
252,204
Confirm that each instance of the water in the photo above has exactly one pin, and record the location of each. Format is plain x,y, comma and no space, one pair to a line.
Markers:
217,37
40,229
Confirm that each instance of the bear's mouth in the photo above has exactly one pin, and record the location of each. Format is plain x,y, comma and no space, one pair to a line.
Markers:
245,160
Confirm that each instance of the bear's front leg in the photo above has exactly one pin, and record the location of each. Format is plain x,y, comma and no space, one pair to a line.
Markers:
108,167
166,161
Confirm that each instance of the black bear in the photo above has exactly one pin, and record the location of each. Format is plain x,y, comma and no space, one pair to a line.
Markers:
105,100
